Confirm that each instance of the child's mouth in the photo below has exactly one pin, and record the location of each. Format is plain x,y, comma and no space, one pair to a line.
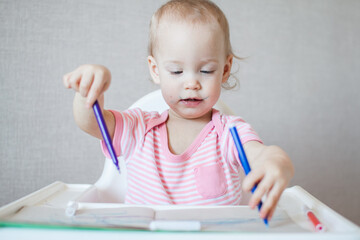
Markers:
191,102
191,99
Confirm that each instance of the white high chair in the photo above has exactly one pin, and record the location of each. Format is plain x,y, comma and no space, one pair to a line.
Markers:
111,186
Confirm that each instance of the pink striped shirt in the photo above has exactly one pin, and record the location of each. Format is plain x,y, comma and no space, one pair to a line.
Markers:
207,173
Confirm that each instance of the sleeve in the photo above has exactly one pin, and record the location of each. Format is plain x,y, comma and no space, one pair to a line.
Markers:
246,134
130,126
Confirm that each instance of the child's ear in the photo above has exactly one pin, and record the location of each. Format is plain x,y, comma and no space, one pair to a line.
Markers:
154,70
227,68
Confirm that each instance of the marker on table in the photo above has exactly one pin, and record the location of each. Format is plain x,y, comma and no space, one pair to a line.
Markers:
105,134
319,227
244,161
175,225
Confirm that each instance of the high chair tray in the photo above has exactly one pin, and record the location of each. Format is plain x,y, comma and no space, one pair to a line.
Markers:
58,195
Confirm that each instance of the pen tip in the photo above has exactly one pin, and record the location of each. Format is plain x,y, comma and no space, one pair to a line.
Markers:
266,223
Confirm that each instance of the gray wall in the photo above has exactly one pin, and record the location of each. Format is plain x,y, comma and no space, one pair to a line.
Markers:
298,89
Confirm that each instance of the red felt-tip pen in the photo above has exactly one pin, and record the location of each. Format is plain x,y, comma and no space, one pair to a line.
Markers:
319,227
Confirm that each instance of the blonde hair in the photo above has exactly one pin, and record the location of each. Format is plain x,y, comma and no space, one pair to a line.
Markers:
194,11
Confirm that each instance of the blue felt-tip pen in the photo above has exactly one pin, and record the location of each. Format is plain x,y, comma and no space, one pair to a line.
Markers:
105,133
243,160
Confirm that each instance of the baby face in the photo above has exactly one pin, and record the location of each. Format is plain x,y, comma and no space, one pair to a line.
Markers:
190,64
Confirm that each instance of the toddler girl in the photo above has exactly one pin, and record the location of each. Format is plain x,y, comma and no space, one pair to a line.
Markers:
184,155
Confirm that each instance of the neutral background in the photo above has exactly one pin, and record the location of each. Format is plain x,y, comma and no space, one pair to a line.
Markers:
298,86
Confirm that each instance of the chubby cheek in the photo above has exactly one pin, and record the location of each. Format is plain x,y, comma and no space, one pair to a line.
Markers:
215,89
169,97
169,91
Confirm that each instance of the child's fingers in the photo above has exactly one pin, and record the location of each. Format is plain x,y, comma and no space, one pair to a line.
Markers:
270,214
95,90
74,80
106,83
66,80
251,179
262,188
272,199
85,84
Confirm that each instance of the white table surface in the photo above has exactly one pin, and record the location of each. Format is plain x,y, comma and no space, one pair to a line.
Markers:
341,228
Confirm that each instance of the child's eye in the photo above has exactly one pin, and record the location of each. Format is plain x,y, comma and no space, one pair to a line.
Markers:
207,72
176,72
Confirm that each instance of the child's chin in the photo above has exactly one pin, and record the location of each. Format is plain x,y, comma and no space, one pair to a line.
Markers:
193,113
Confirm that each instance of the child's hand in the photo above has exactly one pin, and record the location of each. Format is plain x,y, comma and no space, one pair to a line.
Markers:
91,81
272,170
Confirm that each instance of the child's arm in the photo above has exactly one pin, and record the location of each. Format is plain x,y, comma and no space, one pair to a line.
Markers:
272,170
90,82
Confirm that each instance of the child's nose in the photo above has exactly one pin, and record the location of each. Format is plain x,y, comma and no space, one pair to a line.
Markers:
192,83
